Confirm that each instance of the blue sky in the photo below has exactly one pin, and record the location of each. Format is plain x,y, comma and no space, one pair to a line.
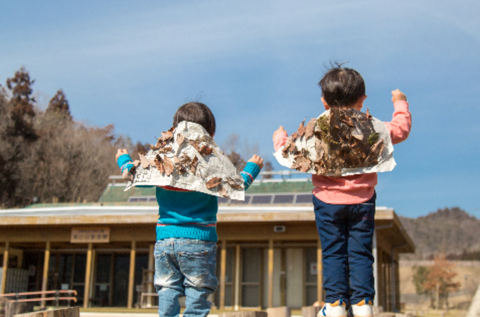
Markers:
256,64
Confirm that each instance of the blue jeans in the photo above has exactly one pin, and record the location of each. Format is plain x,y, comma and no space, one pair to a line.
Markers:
346,235
185,267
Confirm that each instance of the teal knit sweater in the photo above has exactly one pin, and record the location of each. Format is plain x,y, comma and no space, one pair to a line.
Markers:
188,214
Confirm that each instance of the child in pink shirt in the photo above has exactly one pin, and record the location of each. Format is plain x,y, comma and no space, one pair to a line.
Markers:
345,206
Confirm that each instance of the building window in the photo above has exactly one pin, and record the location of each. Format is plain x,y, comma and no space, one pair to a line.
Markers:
251,289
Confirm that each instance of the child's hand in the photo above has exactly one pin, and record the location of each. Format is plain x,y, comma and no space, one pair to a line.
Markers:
120,152
280,130
257,160
397,95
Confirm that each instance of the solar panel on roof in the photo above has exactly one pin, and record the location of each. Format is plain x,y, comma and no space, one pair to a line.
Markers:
262,199
152,199
304,198
138,199
283,199
223,200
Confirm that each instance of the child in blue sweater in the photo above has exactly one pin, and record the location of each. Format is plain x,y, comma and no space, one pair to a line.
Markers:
185,252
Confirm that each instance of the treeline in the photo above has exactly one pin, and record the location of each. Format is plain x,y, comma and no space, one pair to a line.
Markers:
47,156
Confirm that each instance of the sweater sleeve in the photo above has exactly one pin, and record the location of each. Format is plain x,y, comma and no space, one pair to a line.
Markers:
401,123
124,161
249,173
279,139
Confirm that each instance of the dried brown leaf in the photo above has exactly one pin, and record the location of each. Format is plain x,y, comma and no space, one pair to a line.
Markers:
205,150
301,129
213,182
160,144
166,136
294,136
347,120
180,139
168,165
285,149
144,161
194,144
136,163
193,166
302,163
185,160
159,163
223,191
178,165
231,182
310,128
292,148
335,117
165,149
319,149
369,116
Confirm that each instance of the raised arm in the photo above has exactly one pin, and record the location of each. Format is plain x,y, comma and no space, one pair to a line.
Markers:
279,138
401,123
124,161
251,170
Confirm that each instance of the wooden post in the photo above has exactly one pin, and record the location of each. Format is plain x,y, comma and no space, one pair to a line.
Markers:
283,277
131,279
88,277
151,268
270,273
46,264
237,278
223,268
319,273
5,268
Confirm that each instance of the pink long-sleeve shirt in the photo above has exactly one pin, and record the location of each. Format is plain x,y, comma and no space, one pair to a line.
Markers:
355,189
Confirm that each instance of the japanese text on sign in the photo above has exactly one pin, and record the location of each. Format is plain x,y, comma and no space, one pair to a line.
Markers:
90,235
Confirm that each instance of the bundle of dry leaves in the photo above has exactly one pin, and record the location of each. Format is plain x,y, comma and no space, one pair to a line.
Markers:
343,139
183,164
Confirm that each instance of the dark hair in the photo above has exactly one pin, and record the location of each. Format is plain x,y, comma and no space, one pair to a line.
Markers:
196,112
342,86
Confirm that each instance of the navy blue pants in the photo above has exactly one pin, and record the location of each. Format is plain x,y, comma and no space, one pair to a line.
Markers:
346,235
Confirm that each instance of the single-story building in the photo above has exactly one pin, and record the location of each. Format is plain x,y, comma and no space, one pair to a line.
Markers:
269,253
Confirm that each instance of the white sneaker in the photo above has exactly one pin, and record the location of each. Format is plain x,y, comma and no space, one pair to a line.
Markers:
363,308
336,309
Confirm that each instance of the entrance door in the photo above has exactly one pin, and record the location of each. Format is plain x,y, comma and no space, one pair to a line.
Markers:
111,280
66,272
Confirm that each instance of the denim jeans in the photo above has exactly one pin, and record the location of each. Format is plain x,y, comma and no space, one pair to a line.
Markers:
185,267
346,235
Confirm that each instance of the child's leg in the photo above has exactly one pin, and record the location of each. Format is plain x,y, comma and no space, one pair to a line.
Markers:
197,260
331,226
168,279
361,228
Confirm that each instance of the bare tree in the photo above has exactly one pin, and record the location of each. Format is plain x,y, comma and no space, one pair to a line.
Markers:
46,154
240,152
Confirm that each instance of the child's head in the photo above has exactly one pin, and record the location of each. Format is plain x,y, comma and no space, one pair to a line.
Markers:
196,112
342,86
